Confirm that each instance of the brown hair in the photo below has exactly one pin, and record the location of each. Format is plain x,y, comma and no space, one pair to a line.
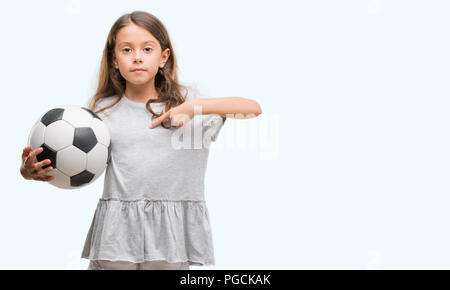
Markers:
112,83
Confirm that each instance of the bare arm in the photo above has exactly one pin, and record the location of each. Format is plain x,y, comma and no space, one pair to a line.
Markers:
233,107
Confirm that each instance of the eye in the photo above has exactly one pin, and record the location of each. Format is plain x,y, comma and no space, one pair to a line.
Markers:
125,50
148,49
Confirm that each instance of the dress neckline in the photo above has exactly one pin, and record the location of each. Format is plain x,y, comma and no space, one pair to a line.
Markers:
137,104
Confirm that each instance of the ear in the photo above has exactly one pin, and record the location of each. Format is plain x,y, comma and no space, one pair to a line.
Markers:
165,56
114,60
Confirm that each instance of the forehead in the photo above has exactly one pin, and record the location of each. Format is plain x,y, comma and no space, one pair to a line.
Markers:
134,34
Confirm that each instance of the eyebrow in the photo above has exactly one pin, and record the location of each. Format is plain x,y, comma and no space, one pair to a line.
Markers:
148,41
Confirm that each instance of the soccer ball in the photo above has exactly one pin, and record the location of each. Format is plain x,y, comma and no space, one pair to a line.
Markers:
76,141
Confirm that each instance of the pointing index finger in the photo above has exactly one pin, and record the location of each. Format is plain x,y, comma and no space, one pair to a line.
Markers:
159,120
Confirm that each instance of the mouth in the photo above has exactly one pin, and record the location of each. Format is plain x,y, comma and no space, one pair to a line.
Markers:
138,70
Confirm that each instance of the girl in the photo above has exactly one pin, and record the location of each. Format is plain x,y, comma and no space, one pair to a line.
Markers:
152,214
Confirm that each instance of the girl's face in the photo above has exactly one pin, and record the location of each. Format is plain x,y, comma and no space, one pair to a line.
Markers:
136,48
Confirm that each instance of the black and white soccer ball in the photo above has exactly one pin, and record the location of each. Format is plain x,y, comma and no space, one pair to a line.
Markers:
76,141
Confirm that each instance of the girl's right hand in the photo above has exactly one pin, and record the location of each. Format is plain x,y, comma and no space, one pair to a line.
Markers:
31,168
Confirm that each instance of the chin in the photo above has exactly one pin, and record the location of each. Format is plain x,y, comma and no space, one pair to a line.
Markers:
138,81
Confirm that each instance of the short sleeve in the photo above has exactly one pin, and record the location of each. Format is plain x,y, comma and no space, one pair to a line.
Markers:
102,103
212,123
191,93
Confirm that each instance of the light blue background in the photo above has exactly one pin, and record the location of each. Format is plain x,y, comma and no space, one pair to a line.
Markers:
350,164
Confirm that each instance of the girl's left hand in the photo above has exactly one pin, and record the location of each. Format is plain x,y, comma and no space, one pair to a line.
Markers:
178,115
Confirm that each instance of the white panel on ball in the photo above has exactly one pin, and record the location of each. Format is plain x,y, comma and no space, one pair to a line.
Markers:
71,160
59,135
61,180
77,117
101,131
36,137
96,159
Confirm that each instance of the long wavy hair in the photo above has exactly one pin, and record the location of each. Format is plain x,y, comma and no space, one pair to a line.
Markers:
111,82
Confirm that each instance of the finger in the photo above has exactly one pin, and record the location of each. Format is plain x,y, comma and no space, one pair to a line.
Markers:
156,122
185,119
33,154
25,152
42,163
42,172
177,123
181,121
159,120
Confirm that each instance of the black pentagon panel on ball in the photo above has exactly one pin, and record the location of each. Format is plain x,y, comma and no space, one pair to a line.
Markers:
47,153
92,113
52,116
81,178
84,139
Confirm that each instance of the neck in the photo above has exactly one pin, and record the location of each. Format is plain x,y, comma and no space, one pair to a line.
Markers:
141,93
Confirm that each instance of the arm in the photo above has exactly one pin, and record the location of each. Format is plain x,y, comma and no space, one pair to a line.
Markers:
230,107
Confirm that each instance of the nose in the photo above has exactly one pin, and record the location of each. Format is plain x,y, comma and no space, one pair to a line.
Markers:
138,56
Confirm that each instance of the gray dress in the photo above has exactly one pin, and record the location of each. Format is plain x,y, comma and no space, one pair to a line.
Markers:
153,205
